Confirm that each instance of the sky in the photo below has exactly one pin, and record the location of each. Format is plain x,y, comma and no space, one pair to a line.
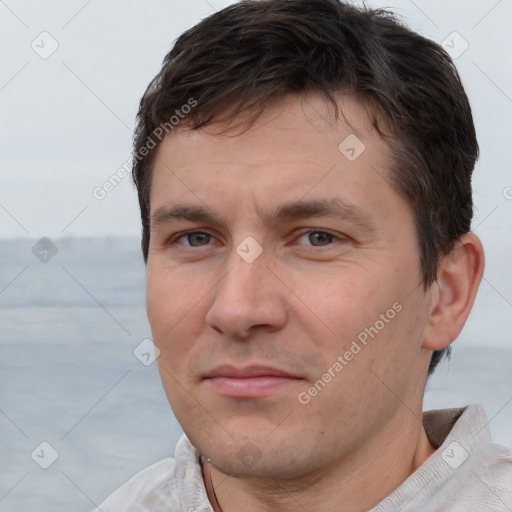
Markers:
72,74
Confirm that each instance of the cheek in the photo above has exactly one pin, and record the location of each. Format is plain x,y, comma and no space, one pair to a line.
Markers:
345,307
172,305
177,303
158,298
172,310
169,293
373,326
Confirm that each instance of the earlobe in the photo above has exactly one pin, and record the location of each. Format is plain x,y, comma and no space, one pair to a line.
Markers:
458,279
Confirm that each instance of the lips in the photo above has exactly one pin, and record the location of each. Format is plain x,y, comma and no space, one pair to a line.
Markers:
247,372
249,382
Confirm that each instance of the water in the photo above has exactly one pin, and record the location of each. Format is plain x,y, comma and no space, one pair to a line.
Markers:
69,377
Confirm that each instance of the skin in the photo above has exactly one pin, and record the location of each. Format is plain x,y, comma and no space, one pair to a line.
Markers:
297,307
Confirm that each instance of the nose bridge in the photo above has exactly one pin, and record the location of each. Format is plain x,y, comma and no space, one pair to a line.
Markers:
246,279
247,294
246,262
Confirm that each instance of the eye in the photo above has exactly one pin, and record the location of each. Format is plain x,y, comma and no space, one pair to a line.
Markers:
193,239
313,238
318,238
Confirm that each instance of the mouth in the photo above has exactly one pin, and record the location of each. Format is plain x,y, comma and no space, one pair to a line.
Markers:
250,381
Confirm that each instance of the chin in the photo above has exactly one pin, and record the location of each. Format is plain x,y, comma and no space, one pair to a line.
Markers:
251,452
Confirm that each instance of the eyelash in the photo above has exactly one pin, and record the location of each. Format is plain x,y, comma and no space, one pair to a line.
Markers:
175,239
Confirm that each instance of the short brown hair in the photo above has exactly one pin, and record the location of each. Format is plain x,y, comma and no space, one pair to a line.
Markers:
242,58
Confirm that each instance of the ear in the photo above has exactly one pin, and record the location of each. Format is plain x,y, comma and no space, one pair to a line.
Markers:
454,292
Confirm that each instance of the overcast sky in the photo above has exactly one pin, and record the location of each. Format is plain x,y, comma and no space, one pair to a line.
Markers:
67,116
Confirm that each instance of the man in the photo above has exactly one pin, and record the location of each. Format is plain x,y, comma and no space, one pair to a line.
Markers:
304,176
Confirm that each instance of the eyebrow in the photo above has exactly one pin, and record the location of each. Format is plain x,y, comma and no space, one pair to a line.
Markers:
296,210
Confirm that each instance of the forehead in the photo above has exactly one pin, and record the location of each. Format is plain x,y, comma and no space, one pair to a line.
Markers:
291,125
295,149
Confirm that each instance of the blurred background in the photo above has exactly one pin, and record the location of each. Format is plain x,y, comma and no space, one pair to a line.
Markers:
81,405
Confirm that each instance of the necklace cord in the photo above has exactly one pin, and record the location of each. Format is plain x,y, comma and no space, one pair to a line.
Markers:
210,490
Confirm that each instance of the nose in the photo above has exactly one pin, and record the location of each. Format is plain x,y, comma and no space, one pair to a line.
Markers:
248,298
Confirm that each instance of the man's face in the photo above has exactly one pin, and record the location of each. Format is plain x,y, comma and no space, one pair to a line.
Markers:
285,362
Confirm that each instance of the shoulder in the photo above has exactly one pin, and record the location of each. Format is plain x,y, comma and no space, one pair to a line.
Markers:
169,484
475,472
144,485
467,473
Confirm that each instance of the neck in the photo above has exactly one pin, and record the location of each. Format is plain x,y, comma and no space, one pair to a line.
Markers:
356,484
